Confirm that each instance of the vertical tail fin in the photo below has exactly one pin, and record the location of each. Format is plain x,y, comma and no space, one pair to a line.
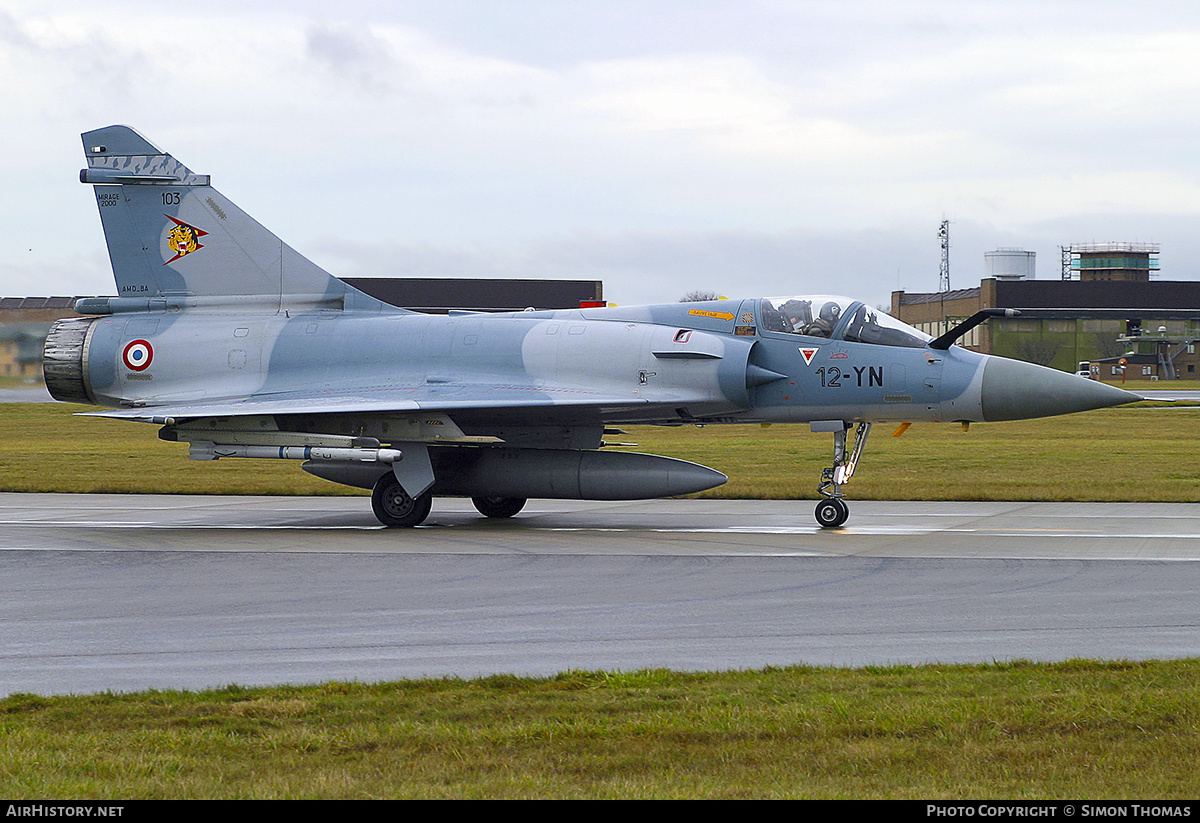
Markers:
171,234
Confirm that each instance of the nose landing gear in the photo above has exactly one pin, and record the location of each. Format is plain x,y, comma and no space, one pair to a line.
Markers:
833,511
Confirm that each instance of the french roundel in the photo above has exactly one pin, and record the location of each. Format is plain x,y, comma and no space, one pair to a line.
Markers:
137,355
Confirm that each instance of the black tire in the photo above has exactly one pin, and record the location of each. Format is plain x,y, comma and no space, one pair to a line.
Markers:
394,508
832,513
498,506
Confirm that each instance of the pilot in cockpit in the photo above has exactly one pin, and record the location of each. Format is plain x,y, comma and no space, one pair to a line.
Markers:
797,313
827,318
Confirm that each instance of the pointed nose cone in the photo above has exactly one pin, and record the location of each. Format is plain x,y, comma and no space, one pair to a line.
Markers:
1013,390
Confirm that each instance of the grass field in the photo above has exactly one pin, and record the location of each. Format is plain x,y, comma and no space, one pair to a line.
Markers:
1071,730
1135,453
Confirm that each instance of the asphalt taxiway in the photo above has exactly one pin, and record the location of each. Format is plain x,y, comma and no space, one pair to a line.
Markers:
127,592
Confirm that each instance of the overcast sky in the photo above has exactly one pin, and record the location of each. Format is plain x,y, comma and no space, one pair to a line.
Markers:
752,147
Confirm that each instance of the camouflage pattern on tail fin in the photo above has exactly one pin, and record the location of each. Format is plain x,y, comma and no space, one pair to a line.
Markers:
172,235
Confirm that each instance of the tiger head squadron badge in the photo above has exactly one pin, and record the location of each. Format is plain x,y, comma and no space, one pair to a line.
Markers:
183,239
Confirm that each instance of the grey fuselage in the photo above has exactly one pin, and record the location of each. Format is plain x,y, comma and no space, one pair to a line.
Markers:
666,364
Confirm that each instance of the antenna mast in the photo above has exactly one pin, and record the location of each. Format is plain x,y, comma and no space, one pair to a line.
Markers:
944,272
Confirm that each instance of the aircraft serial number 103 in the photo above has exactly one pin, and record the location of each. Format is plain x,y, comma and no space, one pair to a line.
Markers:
234,343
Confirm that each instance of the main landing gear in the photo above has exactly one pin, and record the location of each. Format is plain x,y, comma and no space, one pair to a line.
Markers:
833,511
498,506
394,508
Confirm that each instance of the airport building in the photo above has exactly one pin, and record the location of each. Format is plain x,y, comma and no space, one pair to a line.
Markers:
433,295
1105,307
24,322
21,349
1110,261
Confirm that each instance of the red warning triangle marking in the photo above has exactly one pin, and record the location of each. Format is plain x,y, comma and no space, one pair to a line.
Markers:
809,354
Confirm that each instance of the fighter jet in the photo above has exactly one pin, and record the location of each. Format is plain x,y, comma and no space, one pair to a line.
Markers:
234,343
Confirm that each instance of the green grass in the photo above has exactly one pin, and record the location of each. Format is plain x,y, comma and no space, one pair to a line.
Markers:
45,447
1018,730
1143,454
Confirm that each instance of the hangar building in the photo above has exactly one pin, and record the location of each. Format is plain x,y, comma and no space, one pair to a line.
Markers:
1111,309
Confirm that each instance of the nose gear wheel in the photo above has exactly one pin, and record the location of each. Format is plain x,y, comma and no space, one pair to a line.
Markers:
833,511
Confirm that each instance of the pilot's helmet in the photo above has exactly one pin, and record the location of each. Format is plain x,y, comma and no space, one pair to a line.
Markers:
831,311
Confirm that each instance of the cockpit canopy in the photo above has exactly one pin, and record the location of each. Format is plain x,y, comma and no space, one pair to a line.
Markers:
837,318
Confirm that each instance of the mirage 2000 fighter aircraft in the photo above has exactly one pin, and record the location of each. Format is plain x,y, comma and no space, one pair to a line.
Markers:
232,342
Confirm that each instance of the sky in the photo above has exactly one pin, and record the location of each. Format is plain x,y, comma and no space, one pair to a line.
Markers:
756,147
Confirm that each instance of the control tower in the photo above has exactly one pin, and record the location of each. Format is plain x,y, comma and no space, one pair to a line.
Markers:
1110,261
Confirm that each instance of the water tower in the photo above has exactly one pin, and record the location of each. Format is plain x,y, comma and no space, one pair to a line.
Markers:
1009,264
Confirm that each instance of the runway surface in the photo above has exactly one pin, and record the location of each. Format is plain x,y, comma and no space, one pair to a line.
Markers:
1167,394
32,393
127,592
